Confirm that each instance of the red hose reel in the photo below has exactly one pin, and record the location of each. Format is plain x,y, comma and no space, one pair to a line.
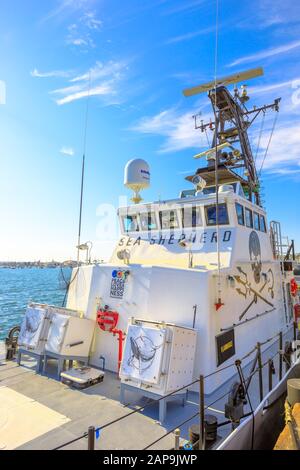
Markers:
108,321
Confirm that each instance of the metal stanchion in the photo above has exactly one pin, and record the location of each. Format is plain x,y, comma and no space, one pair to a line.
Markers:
177,436
280,355
271,372
260,377
201,414
91,438
295,330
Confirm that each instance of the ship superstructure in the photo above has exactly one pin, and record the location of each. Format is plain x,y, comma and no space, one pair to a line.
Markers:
205,261
198,293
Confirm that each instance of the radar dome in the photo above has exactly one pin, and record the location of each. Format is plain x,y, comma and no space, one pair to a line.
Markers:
137,177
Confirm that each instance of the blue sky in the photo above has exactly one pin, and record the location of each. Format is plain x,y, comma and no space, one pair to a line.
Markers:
141,55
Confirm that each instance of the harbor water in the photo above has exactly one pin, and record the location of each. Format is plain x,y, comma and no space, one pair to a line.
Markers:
20,286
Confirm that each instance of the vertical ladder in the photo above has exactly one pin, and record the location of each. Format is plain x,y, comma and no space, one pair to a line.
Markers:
276,239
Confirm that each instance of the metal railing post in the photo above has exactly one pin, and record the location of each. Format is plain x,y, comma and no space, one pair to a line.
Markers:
91,438
260,377
177,436
201,414
270,366
295,330
280,355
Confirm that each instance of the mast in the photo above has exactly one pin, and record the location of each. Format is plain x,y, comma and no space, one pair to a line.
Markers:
231,124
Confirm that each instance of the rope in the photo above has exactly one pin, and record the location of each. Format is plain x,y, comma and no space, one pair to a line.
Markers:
142,408
247,320
269,339
68,283
267,149
172,430
208,143
289,421
260,134
240,372
216,400
218,370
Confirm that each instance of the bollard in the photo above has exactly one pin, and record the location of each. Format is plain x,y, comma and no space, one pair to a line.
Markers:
260,377
201,414
91,438
280,355
177,436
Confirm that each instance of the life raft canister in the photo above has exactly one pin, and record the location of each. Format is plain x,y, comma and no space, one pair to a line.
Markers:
293,287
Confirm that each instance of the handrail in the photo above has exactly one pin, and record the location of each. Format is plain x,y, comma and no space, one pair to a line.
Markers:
237,364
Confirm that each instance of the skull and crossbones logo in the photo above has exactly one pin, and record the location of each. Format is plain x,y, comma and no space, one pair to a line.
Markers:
255,256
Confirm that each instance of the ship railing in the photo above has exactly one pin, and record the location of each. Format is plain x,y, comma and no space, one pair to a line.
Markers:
93,432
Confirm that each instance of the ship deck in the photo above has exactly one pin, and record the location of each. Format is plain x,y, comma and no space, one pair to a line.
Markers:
39,412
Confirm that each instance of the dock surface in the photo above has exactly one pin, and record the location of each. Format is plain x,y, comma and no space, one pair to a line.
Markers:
39,412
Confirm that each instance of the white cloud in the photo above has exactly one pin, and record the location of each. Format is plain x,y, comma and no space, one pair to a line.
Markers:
65,8
67,151
185,7
80,33
90,20
111,69
66,90
270,87
266,53
80,42
177,129
55,73
284,148
102,79
102,90
191,35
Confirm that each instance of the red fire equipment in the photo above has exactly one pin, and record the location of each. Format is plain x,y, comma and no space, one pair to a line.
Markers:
293,287
297,312
107,321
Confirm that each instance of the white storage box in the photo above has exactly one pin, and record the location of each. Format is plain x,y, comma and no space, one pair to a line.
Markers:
46,328
158,357
82,376
34,328
69,336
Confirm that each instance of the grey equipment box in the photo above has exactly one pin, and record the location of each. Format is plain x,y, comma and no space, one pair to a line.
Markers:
82,377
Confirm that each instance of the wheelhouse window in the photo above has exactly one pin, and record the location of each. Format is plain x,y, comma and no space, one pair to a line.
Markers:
191,217
240,213
256,221
249,218
130,223
263,227
168,220
211,214
148,221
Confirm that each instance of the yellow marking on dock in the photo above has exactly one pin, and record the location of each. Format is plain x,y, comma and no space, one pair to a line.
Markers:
23,419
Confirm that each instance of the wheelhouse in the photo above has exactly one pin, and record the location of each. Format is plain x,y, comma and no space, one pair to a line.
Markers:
192,212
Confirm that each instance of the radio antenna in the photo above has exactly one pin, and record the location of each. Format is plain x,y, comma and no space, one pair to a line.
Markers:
83,167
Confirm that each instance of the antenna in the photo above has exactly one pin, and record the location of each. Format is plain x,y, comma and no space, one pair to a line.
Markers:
82,168
230,129
228,80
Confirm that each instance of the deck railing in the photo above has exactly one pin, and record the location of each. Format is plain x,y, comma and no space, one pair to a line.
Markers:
93,432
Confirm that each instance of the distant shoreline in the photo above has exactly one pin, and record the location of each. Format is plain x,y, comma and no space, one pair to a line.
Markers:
37,264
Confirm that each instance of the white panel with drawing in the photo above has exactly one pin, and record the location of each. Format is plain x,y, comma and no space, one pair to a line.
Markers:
143,353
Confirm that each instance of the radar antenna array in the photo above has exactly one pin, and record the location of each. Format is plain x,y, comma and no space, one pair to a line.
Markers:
231,124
